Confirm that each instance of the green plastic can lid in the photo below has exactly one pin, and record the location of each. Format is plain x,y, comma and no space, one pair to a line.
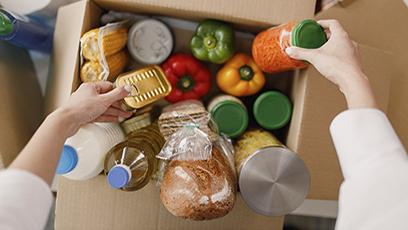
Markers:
272,110
308,34
231,118
6,26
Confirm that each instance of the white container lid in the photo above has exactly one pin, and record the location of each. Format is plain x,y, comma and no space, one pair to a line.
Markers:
150,41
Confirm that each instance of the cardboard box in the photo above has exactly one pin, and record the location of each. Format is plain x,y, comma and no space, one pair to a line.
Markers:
380,29
21,101
91,204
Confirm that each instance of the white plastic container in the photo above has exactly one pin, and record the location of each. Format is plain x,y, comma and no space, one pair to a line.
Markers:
83,155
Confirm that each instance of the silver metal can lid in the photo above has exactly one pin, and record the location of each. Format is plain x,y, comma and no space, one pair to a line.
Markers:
274,181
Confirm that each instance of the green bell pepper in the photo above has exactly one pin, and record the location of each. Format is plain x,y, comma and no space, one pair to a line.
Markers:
214,41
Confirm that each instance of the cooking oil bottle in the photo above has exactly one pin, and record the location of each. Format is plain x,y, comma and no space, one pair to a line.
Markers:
131,164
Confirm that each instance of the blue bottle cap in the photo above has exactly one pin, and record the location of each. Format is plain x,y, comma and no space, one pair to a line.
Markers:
119,176
68,160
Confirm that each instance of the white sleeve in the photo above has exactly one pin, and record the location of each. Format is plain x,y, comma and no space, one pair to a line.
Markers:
375,169
25,200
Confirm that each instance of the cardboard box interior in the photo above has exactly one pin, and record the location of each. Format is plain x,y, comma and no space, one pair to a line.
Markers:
21,101
79,214
316,102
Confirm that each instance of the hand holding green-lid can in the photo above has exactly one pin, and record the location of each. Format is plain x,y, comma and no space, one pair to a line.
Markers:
268,48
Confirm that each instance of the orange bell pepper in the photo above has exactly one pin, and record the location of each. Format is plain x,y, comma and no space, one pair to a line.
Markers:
240,76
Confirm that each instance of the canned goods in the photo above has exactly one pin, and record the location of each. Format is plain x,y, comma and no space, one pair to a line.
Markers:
272,110
149,84
230,115
150,41
273,180
268,48
135,123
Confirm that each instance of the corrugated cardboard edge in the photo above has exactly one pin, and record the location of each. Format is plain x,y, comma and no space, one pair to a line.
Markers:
64,70
259,12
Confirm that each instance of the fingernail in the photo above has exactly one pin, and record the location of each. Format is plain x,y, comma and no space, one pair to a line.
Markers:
289,50
128,88
120,119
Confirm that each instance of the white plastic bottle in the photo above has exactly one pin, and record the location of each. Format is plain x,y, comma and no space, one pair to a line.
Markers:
83,155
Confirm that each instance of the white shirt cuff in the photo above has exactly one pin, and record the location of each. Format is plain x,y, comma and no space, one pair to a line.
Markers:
25,200
362,135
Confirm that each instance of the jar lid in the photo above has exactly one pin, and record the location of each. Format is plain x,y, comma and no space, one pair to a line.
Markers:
272,110
119,176
68,160
308,34
150,41
274,181
231,118
6,25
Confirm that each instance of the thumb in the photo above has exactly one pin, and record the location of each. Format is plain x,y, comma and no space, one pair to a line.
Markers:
300,53
117,94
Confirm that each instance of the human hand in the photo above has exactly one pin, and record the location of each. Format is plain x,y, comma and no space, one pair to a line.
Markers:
339,61
94,102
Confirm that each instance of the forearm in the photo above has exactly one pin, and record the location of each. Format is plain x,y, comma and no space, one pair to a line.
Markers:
41,155
357,90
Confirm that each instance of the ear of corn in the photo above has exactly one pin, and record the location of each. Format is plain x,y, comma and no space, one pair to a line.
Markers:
89,45
91,71
116,64
114,41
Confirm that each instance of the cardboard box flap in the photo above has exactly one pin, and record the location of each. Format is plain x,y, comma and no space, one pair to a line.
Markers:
68,30
97,206
382,24
378,27
260,12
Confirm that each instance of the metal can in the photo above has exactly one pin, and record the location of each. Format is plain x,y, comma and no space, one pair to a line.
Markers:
150,41
273,180
135,123
149,84
230,115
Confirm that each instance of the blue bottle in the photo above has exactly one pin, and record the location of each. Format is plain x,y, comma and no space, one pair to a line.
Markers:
24,32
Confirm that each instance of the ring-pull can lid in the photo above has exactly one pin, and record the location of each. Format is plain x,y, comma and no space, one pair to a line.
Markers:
274,181
150,41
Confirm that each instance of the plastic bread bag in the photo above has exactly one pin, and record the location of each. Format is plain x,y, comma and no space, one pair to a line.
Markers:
199,179
103,54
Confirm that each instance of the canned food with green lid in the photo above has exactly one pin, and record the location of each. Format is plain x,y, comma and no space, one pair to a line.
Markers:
272,110
230,115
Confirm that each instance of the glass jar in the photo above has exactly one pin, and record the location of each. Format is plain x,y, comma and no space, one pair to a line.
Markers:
268,48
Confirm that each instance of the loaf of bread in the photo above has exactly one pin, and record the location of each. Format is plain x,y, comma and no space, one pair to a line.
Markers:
199,189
